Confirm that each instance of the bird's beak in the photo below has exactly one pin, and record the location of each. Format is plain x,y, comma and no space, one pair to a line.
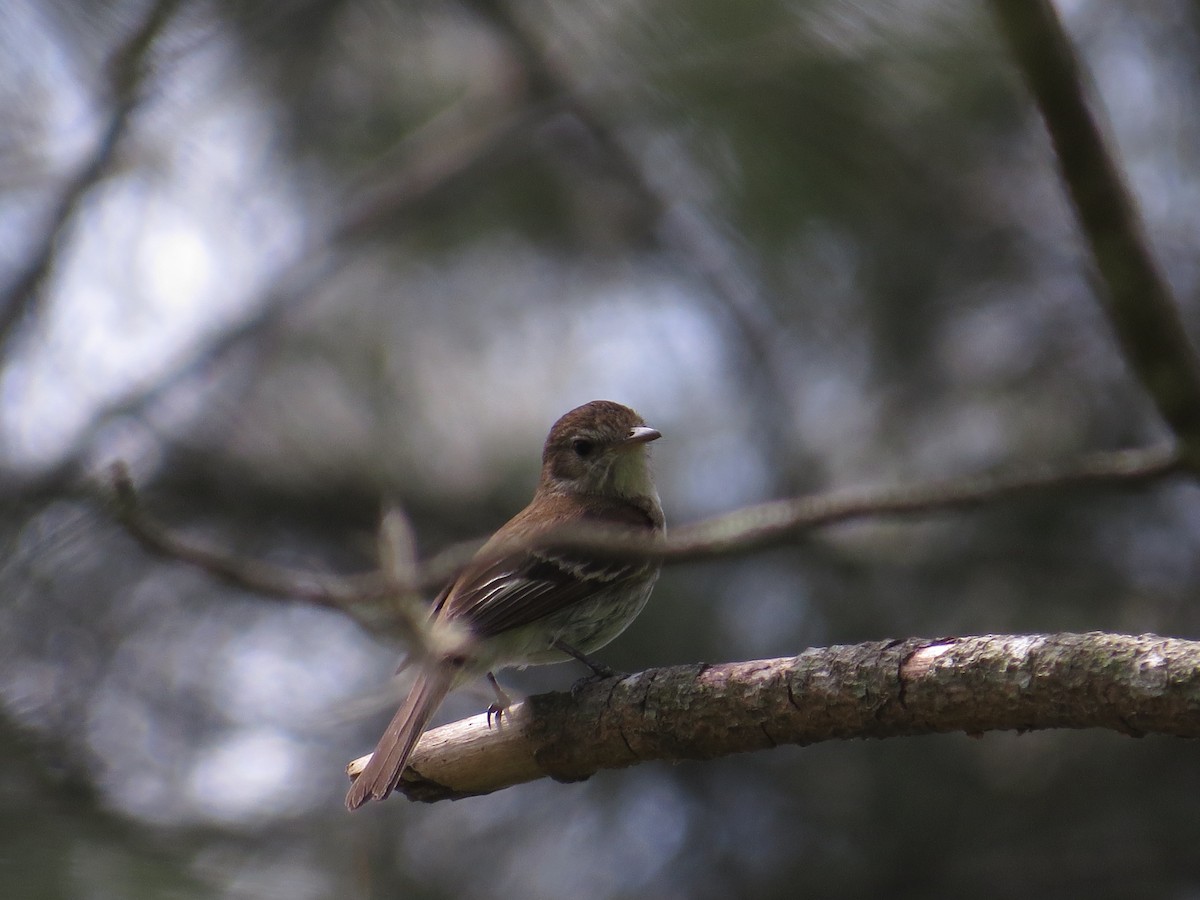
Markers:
641,434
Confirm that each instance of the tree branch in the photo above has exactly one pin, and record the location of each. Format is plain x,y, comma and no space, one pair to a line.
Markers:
742,531
127,72
424,168
770,524
345,593
681,232
1134,685
1140,306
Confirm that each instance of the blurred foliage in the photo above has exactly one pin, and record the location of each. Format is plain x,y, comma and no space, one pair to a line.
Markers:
361,252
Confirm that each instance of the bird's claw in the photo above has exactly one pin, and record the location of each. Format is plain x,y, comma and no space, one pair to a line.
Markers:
496,711
501,704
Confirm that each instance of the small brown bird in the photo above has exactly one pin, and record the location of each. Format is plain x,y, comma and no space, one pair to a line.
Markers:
531,607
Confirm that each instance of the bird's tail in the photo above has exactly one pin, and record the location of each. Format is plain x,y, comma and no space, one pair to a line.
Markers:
382,773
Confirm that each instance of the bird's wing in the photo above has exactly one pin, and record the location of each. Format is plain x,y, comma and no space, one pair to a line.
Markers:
519,590
522,587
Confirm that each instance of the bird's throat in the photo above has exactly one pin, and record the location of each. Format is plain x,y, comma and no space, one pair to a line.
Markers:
630,478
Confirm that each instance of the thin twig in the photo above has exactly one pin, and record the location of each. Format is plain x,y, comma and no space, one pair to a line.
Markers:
332,591
387,602
742,531
400,569
1140,305
773,523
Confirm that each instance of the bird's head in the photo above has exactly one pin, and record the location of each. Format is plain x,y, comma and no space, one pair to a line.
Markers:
599,448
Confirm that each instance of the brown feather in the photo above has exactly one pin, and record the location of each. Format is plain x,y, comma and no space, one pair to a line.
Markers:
382,773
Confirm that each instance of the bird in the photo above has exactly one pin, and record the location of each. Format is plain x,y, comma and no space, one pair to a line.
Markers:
518,604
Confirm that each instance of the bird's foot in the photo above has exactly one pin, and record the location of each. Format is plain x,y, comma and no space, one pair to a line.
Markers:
500,707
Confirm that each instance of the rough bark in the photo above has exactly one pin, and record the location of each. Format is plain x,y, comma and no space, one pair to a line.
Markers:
1135,685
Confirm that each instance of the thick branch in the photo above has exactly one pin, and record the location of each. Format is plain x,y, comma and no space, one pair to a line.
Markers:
1140,305
1133,685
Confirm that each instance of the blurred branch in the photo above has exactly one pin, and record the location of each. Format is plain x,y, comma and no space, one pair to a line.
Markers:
347,594
767,524
299,281
771,524
434,161
127,70
388,602
465,143
1140,306
741,531
681,230
1132,685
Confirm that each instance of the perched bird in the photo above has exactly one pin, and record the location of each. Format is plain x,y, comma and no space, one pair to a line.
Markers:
529,606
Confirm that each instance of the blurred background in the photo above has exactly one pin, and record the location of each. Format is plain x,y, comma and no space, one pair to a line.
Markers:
291,261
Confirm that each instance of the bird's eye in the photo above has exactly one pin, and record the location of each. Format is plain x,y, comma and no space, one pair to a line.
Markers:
583,447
